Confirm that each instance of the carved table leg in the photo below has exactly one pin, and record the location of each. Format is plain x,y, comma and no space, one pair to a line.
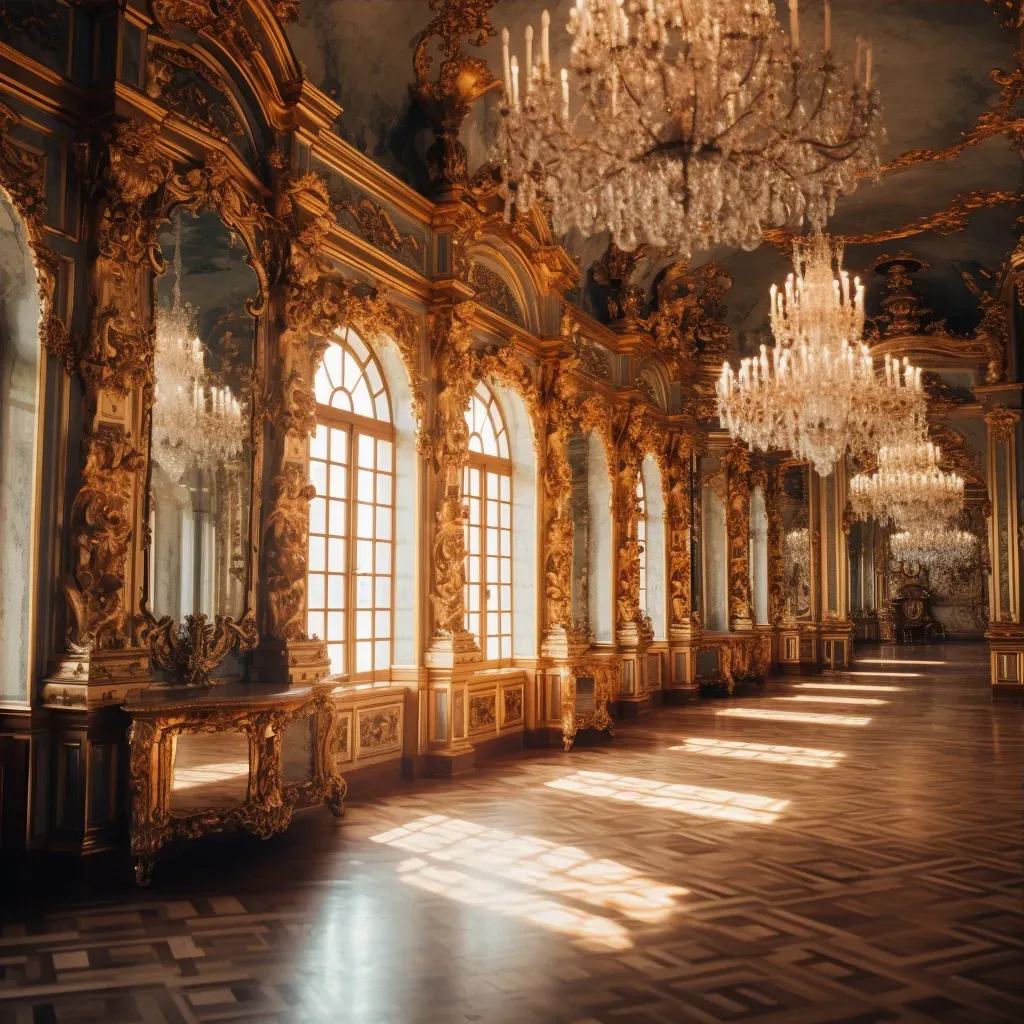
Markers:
335,798
144,864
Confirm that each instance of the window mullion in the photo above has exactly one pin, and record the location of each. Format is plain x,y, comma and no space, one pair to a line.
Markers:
350,547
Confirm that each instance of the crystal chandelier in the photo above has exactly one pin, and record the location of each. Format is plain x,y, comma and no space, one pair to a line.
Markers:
696,123
909,489
195,424
817,394
934,547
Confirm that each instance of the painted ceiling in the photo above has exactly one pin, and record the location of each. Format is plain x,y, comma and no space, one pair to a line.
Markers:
933,60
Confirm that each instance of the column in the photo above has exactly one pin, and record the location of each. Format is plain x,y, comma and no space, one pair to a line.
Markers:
836,625
1005,634
680,538
737,520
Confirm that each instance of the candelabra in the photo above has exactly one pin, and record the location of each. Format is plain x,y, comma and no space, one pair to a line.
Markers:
817,394
908,490
696,123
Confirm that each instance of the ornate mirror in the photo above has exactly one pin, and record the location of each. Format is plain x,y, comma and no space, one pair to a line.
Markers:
201,467
795,507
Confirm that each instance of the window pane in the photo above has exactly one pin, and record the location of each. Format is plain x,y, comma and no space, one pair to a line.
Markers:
364,520
318,476
339,445
365,451
315,624
382,597
366,485
382,624
336,653
318,516
384,456
339,518
505,487
318,442
364,556
315,591
382,654
364,625
335,591
383,523
361,401
493,648
384,488
317,554
335,625
383,557
335,554
364,592
337,484
364,656
380,405
505,516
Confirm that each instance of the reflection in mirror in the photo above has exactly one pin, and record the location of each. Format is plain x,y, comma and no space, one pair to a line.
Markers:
297,745
211,770
19,376
796,546
201,470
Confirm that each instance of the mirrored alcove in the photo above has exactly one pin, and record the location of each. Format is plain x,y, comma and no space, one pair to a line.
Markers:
201,468
579,507
20,359
210,771
795,508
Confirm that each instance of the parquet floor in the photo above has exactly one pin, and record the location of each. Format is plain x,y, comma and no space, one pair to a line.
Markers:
842,849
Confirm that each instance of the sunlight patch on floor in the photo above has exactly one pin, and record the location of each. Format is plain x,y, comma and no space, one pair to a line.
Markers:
704,803
807,757
866,687
770,715
896,661
886,675
819,698
588,930
565,871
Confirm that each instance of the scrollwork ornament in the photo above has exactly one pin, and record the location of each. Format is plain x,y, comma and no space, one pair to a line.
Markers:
101,533
199,645
286,543
22,178
1002,423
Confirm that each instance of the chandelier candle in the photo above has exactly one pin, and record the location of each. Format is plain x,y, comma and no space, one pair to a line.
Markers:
697,123
818,395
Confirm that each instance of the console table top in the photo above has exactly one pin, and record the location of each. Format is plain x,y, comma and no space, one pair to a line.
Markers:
177,699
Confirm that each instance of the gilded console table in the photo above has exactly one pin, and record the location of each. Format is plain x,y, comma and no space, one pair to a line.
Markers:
588,686
742,657
266,753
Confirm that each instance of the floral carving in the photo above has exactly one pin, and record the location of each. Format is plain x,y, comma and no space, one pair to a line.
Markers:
1002,422
483,712
678,520
380,728
101,533
199,645
286,543
118,352
512,697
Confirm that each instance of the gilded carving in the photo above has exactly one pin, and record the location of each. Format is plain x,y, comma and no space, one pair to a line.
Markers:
198,646
677,527
493,290
605,676
460,82
512,698
615,270
380,728
101,534
690,319
772,490
286,542
994,327
374,223
188,87
737,522
21,177
483,713
1001,423
269,803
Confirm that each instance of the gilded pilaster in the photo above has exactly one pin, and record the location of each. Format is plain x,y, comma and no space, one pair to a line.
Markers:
737,518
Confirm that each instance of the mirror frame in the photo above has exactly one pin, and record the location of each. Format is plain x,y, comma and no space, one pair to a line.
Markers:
812,566
194,648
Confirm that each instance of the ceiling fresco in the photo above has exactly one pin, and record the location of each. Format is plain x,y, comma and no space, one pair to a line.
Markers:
933,61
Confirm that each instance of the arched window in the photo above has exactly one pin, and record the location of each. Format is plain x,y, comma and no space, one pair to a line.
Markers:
641,536
20,361
351,534
487,486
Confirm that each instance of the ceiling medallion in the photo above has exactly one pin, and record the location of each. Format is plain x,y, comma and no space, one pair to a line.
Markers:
909,489
689,123
817,393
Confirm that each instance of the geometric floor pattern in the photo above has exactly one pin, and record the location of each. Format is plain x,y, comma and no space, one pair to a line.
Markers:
814,860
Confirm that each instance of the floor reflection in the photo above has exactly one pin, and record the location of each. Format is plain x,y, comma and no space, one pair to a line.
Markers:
705,803
896,661
818,698
807,757
867,687
491,894
566,871
886,675
795,716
